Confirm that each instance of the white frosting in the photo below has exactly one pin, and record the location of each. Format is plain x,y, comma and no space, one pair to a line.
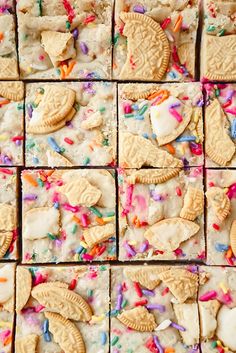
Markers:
226,329
7,287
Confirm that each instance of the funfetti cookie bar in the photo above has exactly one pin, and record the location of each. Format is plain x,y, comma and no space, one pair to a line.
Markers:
11,123
218,41
68,215
154,309
8,55
62,309
220,125
71,124
8,214
221,217
63,39
155,41
7,304
161,214
160,125
217,309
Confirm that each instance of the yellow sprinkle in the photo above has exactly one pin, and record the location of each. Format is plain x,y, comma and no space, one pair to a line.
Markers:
196,117
3,137
132,242
4,324
109,219
224,289
82,243
29,70
97,318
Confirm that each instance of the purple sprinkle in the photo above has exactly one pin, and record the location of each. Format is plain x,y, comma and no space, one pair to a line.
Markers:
83,47
119,301
156,197
30,197
129,249
18,142
139,9
75,33
148,292
229,95
143,247
7,160
174,105
119,289
30,110
194,349
158,345
178,327
69,124
158,307
200,103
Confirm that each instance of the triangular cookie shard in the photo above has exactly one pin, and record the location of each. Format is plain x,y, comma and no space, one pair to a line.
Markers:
27,344
147,277
23,287
169,233
182,283
193,204
98,234
147,45
57,160
219,201
219,147
139,319
65,333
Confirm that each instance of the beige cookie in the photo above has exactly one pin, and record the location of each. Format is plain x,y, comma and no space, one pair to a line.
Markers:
8,69
59,46
63,301
136,152
193,204
57,160
150,176
233,237
65,333
182,283
27,344
134,92
218,144
219,201
13,91
80,192
219,57
98,234
5,242
168,234
23,287
185,53
93,121
139,319
147,48
8,217
146,276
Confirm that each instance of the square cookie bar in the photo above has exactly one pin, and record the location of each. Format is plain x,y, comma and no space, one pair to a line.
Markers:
218,41
217,309
68,215
221,217
7,305
155,40
11,123
220,125
63,39
62,309
8,214
161,214
166,120
154,309
8,54
71,124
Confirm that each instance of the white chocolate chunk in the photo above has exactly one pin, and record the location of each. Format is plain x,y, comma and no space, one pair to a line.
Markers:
7,283
226,327
187,316
208,311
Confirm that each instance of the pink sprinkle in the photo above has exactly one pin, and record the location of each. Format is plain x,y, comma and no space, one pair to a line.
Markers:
129,194
69,141
89,19
176,115
232,191
92,274
165,23
231,111
87,257
127,109
202,255
84,220
178,252
4,334
55,197
39,308
178,191
211,184
101,250
39,279
41,57
141,202
208,296
27,256
68,207
165,291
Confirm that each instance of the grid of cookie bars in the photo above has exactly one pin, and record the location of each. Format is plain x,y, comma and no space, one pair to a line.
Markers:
117,176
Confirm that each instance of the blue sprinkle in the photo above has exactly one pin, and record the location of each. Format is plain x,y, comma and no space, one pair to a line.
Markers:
233,129
145,135
135,107
35,160
221,247
139,117
56,205
172,74
45,326
186,139
103,338
79,249
54,145
154,136
47,337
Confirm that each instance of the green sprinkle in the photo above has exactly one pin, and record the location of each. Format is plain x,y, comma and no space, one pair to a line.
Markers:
124,303
115,339
74,229
33,257
58,71
103,268
29,145
110,214
77,106
130,351
217,92
25,36
62,150
222,32
86,161
129,115
214,344
119,346
90,292
51,236
40,182
143,110
34,105
102,109
40,7
67,25
105,142
20,106
95,211
211,28
116,38
41,90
